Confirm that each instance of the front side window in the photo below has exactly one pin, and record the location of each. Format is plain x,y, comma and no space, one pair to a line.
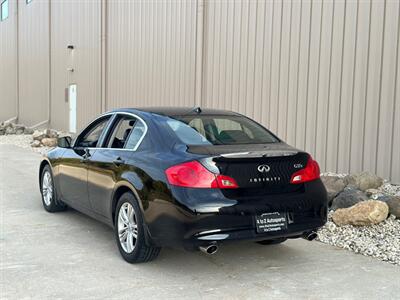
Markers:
219,130
4,10
91,136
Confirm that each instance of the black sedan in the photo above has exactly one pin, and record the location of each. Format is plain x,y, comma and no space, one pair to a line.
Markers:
179,177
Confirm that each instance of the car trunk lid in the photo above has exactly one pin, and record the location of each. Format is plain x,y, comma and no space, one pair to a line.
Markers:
257,169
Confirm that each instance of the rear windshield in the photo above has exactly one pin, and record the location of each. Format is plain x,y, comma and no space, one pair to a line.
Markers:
219,130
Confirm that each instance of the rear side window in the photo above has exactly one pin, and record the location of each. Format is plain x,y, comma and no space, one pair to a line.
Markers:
127,133
219,130
136,135
121,132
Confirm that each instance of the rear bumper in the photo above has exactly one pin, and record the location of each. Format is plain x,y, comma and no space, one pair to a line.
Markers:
201,217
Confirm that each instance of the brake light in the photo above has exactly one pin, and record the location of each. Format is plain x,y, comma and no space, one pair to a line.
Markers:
309,173
193,174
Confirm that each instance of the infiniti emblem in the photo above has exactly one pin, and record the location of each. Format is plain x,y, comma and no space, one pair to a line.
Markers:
263,168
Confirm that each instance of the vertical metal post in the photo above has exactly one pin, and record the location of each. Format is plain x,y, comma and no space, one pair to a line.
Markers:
17,62
199,59
103,55
49,71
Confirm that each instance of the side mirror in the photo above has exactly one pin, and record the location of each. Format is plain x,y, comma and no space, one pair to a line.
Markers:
64,142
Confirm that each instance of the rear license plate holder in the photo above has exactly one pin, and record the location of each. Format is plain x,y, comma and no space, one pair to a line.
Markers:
271,222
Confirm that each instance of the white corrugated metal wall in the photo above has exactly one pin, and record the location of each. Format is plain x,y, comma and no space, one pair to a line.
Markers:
76,24
323,75
151,53
33,67
8,65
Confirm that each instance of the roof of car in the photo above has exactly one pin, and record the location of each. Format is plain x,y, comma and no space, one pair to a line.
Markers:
179,111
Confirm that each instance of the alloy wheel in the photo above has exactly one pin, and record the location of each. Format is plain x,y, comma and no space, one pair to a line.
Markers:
127,227
47,188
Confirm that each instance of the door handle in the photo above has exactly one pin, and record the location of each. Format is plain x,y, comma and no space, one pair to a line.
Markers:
118,161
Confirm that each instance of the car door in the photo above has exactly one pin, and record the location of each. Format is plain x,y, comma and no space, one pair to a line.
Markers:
73,168
108,164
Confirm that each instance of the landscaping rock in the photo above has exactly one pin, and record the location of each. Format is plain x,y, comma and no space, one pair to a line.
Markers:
49,142
334,185
362,214
38,135
19,129
10,130
28,130
394,206
392,201
348,198
50,133
365,181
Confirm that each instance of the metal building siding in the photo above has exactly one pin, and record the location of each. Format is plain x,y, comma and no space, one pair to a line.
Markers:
33,40
8,63
77,24
321,74
61,36
86,37
150,53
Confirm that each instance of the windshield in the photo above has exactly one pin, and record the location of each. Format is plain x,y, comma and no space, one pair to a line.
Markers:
219,130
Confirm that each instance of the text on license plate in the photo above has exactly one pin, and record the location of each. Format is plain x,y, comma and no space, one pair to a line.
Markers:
271,222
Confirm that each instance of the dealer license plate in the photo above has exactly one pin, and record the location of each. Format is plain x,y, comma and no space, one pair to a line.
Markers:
271,222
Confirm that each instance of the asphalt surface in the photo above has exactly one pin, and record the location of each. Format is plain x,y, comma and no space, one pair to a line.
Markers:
70,256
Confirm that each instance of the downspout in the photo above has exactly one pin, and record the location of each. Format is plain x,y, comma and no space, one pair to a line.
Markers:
49,71
200,15
17,62
103,56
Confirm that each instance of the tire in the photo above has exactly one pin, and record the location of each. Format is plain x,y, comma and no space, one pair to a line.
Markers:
49,193
130,233
272,242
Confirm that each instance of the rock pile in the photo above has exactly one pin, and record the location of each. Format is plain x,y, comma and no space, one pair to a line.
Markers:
44,138
40,138
364,215
347,191
9,128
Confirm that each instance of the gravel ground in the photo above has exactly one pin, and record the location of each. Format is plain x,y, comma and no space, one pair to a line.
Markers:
381,241
23,141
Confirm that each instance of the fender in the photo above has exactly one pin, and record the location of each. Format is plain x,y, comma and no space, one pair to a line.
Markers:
54,170
126,184
43,162
131,187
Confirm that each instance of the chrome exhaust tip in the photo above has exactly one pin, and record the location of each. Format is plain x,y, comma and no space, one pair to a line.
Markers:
309,236
209,249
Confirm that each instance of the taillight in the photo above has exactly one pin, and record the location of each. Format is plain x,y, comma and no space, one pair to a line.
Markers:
309,173
193,174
